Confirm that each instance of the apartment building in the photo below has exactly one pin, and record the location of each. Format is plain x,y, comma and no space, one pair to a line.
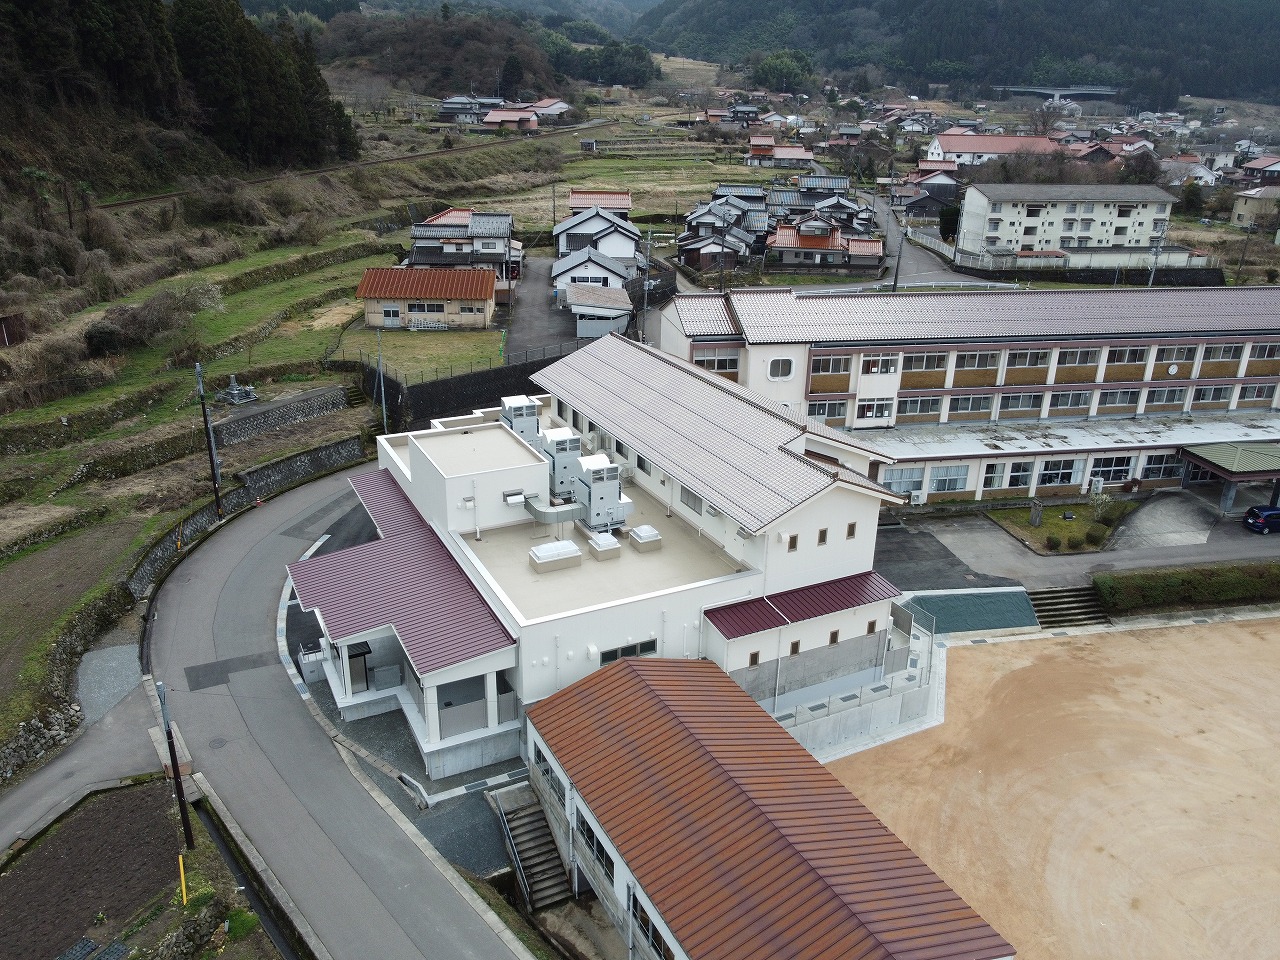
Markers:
1014,393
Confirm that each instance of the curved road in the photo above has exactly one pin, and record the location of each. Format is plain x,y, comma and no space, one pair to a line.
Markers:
363,885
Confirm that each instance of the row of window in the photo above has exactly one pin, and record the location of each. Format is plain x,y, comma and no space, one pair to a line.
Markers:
945,478
393,313
1122,210
793,540
645,648
592,843
1080,399
833,638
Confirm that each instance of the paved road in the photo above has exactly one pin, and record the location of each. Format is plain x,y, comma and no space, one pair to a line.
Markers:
536,322
364,887
919,266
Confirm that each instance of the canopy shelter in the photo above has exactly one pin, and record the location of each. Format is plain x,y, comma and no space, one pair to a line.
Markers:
1237,463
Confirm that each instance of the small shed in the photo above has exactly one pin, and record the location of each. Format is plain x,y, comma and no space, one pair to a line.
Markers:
599,310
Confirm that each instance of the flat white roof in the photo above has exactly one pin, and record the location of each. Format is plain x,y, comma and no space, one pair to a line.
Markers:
684,559
952,441
460,452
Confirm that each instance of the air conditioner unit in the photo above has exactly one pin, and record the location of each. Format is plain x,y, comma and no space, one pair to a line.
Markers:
917,497
1095,484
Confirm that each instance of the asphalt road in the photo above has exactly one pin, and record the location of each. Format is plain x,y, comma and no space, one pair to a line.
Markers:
362,884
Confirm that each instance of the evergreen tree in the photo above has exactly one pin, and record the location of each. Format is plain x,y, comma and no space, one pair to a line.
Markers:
510,79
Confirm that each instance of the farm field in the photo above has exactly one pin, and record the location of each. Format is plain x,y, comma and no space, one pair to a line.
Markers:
1100,796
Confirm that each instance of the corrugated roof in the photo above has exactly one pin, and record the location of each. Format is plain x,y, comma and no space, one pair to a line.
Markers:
804,603
818,181
1239,458
608,199
745,845
426,283
407,581
988,143
723,442
780,315
1088,192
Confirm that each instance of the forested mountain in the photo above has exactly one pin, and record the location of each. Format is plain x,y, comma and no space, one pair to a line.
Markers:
132,93
1156,49
615,16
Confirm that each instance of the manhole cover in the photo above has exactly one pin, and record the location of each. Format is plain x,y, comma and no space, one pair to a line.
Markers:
217,743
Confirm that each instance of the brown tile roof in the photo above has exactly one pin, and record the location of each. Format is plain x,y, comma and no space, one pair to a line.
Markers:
804,603
609,199
426,283
987,143
454,216
408,580
744,843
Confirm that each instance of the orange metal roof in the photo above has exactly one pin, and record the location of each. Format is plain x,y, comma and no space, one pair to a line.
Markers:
744,843
788,236
986,143
608,199
426,283
453,217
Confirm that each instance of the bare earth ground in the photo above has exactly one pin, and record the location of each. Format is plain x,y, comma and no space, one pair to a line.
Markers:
1101,796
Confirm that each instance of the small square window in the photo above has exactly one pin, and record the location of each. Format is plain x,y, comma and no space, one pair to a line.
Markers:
834,638
851,531
754,659
793,542
871,626
822,537
795,648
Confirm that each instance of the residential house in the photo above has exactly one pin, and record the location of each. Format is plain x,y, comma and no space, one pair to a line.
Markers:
707,833
815,241
744,114
589,265
615,202
971,149
917,203
1264,170
526,120
1188,168
549,109
467,109
427,298
597,228
470,238
521,549
764,152
598,310
1011,393
1256,205
1215,156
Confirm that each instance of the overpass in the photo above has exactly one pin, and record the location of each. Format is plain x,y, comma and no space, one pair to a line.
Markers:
1057,93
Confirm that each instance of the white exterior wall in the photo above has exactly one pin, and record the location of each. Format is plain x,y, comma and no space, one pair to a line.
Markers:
754,373
976,212
775,645
875,386
668,332
617,245
839,557
587,269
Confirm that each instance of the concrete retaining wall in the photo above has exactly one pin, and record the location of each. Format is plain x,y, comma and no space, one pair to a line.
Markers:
313,404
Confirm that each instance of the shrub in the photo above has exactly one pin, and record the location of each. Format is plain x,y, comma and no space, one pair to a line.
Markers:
1053,542
1189,587
1075,542
103,338
1272,274
1096,534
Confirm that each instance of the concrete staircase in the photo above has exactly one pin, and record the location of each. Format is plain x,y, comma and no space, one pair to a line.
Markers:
1067,607
537,861
355,396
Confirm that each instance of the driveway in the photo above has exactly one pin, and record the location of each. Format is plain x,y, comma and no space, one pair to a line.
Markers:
536,323
1170,518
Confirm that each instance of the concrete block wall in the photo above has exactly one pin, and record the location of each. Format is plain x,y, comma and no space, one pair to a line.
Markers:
286,414
810,667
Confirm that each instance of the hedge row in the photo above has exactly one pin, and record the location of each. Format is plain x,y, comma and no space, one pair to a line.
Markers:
1188,587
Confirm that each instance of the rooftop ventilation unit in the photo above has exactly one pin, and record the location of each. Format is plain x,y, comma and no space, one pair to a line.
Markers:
562,448
521,415
598,487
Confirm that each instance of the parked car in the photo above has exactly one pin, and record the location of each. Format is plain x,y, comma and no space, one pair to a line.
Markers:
1262,519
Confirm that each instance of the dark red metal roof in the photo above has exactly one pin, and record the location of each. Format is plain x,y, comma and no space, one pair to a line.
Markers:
804,603
745,844
408,580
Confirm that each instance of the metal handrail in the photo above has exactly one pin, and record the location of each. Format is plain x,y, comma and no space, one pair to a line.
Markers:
525,892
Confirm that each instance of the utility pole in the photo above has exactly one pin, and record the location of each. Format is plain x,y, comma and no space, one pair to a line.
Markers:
173,761
1157,244
722,246
648,259
897,263
215,466
553,207
1248,235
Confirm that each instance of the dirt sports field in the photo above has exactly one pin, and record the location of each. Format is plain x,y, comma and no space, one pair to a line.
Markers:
1104,796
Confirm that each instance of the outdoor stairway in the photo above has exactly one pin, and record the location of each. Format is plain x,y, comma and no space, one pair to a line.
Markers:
535,849
355,397
1067,607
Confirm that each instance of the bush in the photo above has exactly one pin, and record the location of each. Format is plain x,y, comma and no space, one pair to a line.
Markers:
1096,534
1189,587
1053,542
1075,542
103,338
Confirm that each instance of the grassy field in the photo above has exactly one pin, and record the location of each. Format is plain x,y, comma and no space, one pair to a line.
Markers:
426,354
1053,523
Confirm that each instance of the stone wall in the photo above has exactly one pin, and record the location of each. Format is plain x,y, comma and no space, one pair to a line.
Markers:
190,939
315,404
306,263
81,518
51,434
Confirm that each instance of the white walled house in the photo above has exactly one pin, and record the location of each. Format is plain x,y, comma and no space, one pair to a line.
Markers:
590,525
960,388
427,298
597,228
707,833
588,266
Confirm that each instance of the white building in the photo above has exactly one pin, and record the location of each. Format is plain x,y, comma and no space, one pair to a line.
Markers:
589,266
598,228
645,507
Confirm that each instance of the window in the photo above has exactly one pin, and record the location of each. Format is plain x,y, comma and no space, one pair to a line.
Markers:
562,411
592,843
997,207
880,409
1020,473
850,530
924,361
649,930
1224,351
1167,395
577,421
488,245
780,369
1160,207
880,364
1066,242
829,409
622,449
1059,473
1212,394
753,660
821,365
1028,358
1127,355
1071,208
976,361
971,404
1265,351
1088,208
945,478
417,308
435,308
1077,358
1112,469
544,767
390,313
643,465
1258,391
1086,225
833,638
993,476
795,648
1162,466
645,648
903,479
717,359
993,224
1070,400
468,309
1021,401
1069,225
1175,354
1029,231
598,281
915,405
690,499
871,626
793,543
1118,398
822,537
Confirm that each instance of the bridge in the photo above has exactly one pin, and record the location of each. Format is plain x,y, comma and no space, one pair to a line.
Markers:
1059,92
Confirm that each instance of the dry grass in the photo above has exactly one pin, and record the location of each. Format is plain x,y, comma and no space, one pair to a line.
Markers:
689,73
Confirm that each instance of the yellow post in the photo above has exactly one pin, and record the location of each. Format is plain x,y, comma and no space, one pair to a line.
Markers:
182,875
